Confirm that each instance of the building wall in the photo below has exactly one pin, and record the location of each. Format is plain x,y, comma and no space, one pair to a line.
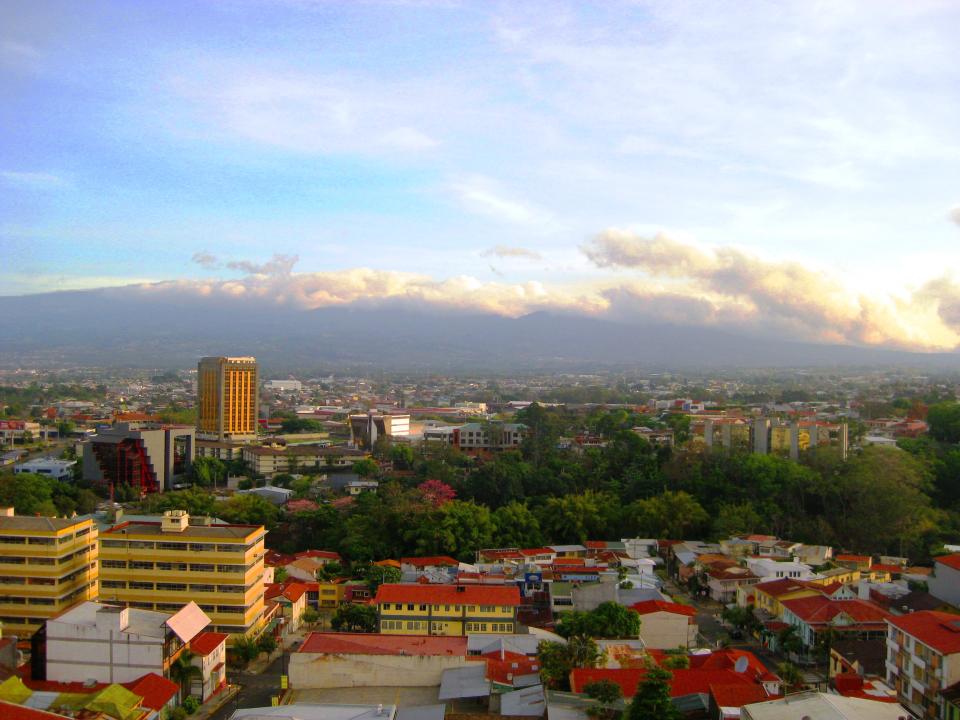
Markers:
665,630
228,397
316,670
944,584
76,653
425,619
43,572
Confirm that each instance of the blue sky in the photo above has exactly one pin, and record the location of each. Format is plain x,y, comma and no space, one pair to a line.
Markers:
788,167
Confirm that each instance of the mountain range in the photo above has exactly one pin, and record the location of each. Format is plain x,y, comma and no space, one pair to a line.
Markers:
116,327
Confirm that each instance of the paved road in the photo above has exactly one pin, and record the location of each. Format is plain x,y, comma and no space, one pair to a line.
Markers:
255,689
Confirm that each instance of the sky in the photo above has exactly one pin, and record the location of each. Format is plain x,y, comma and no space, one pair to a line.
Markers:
783,168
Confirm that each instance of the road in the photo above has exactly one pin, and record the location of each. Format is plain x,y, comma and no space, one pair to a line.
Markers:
256,689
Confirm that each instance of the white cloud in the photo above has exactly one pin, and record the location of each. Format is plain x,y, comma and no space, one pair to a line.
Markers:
484,196
506,251
204,259
31,180
406,138
955,214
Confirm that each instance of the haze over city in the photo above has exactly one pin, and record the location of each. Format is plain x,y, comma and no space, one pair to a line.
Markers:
786,171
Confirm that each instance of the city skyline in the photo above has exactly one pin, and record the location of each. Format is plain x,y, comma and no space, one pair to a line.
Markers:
786,170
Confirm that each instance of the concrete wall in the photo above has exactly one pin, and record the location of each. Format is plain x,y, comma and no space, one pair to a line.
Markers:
317,670
665,630
79,652
944,584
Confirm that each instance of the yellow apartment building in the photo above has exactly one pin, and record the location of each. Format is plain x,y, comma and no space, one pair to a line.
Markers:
46,565
163,565
446,609
228,398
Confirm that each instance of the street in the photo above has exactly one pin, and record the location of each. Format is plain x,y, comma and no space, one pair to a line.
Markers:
256,688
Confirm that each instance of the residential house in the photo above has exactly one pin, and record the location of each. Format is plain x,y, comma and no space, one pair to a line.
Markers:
769,569
438,563
768,595
723,584
822,706
209,651
813,616
291,596
666,625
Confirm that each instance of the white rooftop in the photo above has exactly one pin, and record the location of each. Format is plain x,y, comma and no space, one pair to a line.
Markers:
821,706
316,711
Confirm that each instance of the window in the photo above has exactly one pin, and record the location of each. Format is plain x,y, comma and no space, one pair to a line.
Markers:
172,587
410,606
203,588
115,564
202,567
141,585
114,543
423,608
113,584
487,608
140,565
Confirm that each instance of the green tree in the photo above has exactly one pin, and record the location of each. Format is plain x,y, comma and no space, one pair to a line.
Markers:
677,662
670,515
558,659
944,421
244,651
377,575
267,643
515,525
28,494
208,471
402,457
608,620
366,467
791,676
605,691
652,701
301,487
736,519
329,571
355,618
248,510
680,424
183,672
457,528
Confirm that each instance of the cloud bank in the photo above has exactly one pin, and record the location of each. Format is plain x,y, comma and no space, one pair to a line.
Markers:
649,279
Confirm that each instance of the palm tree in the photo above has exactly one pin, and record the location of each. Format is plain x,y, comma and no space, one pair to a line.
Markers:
183,671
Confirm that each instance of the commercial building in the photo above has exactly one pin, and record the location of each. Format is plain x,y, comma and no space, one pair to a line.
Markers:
283,385
446,609
267,461
46,565
163,565
342,660
51,467
146,456
228,398
366,429
114,644
923,660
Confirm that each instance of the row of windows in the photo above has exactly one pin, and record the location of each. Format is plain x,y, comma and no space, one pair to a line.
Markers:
493,627
18,600
404,625
172,587
185,546
174,607
66,559
168,566
447,608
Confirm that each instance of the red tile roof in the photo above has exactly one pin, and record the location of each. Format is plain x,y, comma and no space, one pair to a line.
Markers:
735,695
938,630
887,568
292,591
503,670
820,610
651,606
853,558
951,561
448,594
206,642
783,586
684,682
436,560
854,685
373,644
155,690
324,554
9,711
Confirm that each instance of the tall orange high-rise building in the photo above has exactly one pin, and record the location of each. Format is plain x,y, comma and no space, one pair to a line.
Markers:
228,398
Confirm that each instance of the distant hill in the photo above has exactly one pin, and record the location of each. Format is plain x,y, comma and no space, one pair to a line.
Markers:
119,327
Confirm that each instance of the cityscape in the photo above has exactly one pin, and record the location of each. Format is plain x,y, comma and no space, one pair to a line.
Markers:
465,360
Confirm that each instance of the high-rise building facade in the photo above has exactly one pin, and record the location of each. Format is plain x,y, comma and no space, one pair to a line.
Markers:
163,565
146,456
228,398
46,565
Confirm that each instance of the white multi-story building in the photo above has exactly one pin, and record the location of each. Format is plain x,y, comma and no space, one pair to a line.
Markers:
283,385
51,467
944,583
923,659
114,644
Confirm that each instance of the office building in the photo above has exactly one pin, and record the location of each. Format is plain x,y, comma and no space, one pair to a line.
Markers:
228,398
146,456
46,565
366,429
446,609
163,565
